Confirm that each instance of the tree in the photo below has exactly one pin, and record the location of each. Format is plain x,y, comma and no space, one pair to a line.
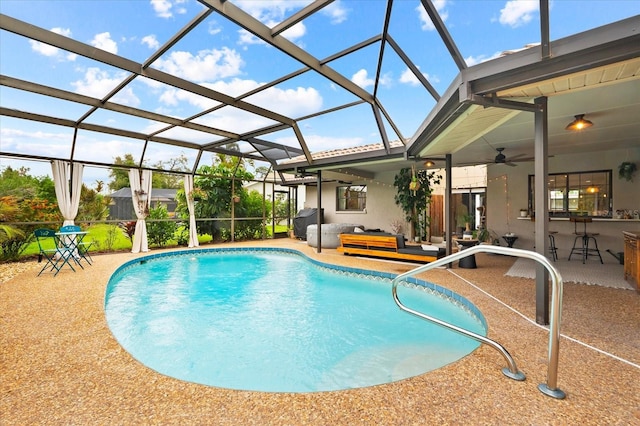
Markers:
412,198
216,181
14,209
19,183
170,180
93,205
120,177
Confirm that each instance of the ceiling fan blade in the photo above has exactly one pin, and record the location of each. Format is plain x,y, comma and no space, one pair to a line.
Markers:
501,163
516,157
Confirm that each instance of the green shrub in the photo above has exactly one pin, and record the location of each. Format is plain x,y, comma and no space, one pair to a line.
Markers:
159,233
182,235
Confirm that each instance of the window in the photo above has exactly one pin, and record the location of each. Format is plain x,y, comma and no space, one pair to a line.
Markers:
351,198
581,193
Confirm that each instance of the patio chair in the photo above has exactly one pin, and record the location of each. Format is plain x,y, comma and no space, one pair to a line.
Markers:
56,257
81,245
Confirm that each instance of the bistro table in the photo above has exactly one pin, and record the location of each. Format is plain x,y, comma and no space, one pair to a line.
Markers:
72,240
468,262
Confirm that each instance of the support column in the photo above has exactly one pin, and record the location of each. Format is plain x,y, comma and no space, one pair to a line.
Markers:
319,212
447,205
541,226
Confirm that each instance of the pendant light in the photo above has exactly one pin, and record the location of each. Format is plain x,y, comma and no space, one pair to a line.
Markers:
579,123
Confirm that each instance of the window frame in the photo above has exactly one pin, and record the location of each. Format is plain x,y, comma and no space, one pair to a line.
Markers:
570,202
345,198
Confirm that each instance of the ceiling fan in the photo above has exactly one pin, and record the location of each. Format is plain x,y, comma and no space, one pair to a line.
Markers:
502,159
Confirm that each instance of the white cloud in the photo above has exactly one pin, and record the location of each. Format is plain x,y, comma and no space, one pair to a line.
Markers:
473,60
271,11
289,102
105,150
385,80
294,103
173,97
150,41
336,12
295,32
51,51
427,25
360,78
322,143
36,142
409,77
245,38
207,65
518,12
103,41
213,28
235,120
98,84
162,8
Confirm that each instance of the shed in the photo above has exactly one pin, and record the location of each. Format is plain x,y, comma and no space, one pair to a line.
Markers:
121,206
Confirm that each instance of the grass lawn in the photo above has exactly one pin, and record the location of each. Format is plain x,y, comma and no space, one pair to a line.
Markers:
105,237
108,237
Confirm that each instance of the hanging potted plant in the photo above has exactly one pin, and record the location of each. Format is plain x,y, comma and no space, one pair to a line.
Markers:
626,170
414,185
236,198
141,194
197,194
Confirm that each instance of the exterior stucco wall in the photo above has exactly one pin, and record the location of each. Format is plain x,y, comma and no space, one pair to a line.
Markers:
381,209
507,193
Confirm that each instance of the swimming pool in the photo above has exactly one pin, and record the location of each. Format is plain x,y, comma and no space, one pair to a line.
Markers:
274,320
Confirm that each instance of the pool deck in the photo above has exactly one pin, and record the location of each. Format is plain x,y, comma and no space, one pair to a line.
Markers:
59,363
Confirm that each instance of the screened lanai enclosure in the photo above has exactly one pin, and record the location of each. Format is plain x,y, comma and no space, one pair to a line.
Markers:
336,90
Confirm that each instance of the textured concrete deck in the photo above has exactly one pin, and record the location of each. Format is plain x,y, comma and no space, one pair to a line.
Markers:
59,363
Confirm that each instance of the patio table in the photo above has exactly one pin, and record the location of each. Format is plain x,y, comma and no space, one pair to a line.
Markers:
72,240
468,262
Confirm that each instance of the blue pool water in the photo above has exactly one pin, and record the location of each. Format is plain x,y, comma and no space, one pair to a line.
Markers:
272,320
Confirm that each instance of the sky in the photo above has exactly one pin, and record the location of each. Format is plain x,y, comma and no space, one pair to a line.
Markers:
222,56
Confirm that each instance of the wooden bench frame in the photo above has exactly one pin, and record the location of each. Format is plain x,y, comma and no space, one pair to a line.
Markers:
378,246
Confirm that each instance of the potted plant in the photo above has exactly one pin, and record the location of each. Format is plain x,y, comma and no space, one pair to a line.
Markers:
141,194
414,202
396,226
467,219
197,194
484,235
626,170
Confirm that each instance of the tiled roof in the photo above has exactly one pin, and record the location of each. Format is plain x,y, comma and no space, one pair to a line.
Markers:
333,153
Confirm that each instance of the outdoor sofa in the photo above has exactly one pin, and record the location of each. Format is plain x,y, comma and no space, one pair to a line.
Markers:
386,245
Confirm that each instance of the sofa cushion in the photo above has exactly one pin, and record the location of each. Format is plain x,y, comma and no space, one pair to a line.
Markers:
418,250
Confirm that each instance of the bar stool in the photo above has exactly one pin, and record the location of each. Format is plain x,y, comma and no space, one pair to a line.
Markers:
553,250
552,245
583,248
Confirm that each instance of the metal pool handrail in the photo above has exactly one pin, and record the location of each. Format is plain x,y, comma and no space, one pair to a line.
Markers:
550,387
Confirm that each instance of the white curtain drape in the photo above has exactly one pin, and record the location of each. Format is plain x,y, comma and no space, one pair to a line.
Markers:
140,182
193,232
68,184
